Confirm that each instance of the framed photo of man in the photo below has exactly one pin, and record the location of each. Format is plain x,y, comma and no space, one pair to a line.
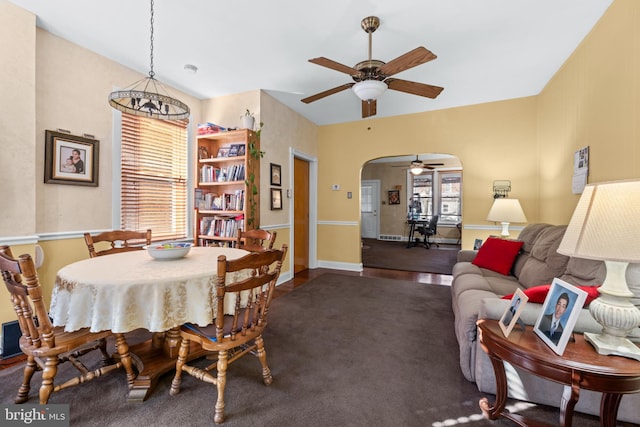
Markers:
512,312
70,159
559,314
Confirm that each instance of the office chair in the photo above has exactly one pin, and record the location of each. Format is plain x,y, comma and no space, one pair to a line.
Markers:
429,230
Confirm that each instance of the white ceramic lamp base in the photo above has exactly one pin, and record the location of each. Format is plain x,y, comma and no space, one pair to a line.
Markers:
609,345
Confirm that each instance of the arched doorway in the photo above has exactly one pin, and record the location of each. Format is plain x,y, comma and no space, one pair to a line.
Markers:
441,194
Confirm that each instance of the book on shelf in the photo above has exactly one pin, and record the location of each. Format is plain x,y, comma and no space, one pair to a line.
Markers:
209,173
221,225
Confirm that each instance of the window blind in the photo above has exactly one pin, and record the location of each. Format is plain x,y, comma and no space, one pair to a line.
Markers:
154,176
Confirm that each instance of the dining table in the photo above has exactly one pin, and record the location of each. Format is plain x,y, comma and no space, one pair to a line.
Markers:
128,291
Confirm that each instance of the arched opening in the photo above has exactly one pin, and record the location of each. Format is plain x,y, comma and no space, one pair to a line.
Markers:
392,196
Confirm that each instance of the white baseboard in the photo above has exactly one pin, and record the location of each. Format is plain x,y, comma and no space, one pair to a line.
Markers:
340,265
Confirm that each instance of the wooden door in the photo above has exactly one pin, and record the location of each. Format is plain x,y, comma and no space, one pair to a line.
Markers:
300,215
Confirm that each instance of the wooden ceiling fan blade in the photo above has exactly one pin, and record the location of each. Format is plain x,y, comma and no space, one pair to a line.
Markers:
417,56
326,93
369,108
325,62
414,88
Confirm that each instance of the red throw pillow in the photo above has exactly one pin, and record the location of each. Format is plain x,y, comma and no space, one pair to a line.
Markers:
497,254
539,293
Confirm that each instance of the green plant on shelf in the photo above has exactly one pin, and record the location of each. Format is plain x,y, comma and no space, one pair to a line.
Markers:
255,154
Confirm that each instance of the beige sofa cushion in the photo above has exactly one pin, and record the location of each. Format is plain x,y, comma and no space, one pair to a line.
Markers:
544,262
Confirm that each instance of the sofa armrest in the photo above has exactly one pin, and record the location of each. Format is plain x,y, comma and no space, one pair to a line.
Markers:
466,255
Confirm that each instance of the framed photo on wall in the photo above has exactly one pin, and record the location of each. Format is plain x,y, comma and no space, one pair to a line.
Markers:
394,197
559,314
276,199
70,159
276,174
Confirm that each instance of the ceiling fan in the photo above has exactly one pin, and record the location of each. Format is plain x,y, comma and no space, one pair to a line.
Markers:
371,77
417,166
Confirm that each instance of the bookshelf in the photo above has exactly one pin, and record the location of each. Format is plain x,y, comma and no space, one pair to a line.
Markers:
227,186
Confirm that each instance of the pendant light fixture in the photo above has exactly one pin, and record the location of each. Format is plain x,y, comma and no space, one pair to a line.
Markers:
148,97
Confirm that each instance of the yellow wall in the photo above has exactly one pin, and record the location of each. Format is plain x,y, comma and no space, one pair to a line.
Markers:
493,141
594,101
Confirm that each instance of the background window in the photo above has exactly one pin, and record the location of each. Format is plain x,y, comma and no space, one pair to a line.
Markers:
421,202
154,176
446,196
450,197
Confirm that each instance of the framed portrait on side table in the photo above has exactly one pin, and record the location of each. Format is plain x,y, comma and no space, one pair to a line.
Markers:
70,159
559,313
512,313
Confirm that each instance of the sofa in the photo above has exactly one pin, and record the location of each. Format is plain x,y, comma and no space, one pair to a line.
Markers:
477,291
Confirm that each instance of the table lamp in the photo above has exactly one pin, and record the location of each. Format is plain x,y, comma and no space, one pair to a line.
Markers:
604,226
506,211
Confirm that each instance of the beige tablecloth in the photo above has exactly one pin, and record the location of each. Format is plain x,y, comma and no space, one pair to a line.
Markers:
127,291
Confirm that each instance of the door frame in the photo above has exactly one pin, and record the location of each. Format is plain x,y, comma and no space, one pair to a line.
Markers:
313,204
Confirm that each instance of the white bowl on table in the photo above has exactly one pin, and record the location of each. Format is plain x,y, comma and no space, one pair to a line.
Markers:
168,250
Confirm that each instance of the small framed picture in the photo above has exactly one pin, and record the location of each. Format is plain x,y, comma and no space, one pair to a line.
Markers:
559,314
394,197
203,152
233,150
477,244
242,149
70,159
276,174
512,313
223,152
276,199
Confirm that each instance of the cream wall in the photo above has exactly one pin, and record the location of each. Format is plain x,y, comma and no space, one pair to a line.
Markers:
50,84
72,85
18,164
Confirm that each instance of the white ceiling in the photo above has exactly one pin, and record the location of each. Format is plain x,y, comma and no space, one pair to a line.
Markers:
487,50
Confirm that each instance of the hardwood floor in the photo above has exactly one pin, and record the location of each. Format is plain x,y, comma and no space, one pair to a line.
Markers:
307,275
304,276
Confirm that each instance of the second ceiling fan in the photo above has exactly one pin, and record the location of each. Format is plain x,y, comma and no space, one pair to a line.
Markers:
417,166
371,77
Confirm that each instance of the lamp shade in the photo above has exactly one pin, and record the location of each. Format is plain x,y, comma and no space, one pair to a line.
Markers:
506,210
369,89
604,225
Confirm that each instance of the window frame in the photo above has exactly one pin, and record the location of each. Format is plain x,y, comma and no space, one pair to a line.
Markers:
436,196
117,180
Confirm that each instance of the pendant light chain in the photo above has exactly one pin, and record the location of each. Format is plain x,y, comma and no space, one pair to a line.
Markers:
148,97
151,72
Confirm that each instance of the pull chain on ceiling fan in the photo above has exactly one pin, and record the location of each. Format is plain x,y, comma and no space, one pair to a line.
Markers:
371,76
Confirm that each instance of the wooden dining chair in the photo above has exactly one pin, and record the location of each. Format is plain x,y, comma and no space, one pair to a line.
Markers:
45,346
255,240
234,335
119,241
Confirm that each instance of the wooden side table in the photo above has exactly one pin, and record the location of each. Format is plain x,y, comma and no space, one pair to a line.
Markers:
580,367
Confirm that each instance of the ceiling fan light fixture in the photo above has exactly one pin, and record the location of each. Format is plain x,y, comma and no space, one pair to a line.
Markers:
416,169
368,90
